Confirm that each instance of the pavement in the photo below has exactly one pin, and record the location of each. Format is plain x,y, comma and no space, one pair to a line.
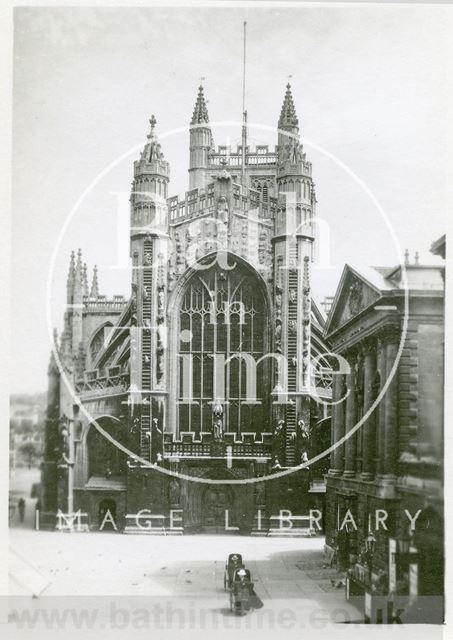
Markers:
185,573
111,577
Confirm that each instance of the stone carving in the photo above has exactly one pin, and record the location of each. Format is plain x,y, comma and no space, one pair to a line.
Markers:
292,294
292,326
180,260
262,247
278,303
306,338
217,421
160,270
260,493
244,239
278,336
295,153
174,492
390,334
222,209
160,363
278,439
161,304
355,301
135,267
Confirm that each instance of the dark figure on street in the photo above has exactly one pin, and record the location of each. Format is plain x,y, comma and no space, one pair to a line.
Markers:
21,507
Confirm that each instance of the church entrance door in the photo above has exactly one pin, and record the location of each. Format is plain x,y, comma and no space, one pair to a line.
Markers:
216,501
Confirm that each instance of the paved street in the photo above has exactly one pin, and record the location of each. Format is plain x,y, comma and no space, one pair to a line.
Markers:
184,571
79,571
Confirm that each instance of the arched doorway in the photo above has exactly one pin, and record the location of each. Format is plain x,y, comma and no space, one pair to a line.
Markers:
107,513
222,323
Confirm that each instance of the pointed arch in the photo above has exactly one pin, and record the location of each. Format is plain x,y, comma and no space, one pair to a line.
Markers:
97,342
225,314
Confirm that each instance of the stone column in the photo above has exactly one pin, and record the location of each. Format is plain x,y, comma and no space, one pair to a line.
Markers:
332,470
338,424
380,410
391,338
351,420
369,366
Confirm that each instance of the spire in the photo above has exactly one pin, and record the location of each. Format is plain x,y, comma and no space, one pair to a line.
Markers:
78,267
71,272
200,112
94,293
288,117
85,279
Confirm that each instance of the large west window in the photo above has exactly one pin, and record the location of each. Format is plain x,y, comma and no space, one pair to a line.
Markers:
223,315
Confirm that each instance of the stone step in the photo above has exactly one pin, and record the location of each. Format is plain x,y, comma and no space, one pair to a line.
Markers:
155,531
290,533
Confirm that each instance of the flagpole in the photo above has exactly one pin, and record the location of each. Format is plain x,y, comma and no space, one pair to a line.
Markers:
244,112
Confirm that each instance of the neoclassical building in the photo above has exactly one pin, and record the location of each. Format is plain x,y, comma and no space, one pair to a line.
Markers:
394,461
210,370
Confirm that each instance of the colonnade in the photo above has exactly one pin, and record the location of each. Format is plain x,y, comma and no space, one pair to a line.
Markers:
371,450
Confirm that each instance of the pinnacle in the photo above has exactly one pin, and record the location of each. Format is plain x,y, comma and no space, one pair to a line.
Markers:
94,293
288,116
200,112
152,134
152,150
71,272
85,279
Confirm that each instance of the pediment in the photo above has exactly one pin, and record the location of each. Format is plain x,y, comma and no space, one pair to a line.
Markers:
354,294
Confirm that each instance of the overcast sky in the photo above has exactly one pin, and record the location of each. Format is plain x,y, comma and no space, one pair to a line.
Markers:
370,87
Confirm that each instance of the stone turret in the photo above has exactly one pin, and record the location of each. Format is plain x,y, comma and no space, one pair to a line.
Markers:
149,187
201,143
293,171
149,252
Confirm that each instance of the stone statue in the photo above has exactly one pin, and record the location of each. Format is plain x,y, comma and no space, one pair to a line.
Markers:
278,336
222,209
174,492
260,494
217,414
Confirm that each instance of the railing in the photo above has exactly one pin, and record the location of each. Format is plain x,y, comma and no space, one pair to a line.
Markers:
93,382
235,160
118,302
191,445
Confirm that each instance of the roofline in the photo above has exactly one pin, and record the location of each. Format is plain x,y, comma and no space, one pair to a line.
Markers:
347,267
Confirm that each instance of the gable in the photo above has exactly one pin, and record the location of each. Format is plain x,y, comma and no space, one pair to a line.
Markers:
354,294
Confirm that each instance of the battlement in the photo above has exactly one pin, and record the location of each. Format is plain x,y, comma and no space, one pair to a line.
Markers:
224,156
201,202
103,304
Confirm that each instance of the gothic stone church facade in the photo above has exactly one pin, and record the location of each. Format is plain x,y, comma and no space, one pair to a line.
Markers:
204,372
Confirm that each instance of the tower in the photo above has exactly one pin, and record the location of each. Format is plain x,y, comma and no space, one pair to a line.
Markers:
293,243
201,142
149,253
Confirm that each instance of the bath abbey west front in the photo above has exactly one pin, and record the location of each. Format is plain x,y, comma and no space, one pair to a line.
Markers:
213,367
